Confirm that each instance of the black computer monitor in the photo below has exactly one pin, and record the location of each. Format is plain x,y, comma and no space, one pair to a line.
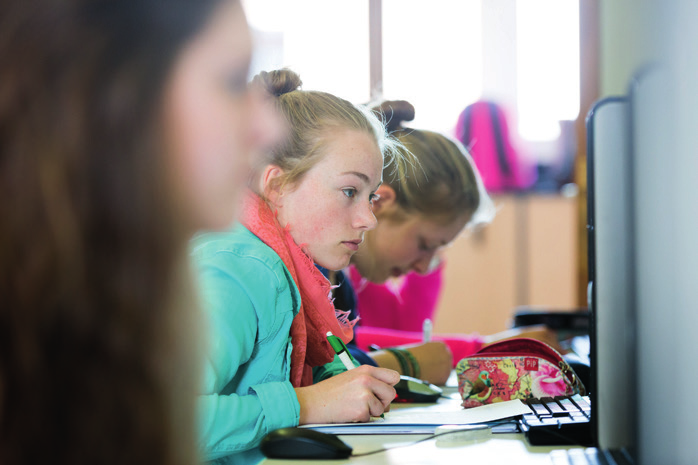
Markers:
610,252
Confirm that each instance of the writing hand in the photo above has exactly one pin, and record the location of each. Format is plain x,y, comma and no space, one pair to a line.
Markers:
353,396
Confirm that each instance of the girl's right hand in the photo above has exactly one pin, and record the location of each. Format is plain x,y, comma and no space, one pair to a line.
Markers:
353,396
434,358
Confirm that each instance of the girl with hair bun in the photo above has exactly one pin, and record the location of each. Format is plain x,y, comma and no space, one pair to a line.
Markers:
269,308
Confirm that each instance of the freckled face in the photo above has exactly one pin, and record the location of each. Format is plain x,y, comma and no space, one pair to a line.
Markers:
394,249
330,208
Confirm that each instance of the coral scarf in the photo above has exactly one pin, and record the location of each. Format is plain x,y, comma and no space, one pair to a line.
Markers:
317,314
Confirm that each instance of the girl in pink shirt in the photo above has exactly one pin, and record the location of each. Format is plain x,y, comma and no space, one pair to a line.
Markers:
419,212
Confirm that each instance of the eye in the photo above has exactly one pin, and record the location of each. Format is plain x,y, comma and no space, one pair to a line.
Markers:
373,197
236,82
349,192
423,246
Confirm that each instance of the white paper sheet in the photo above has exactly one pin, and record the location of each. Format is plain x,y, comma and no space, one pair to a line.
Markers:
424,419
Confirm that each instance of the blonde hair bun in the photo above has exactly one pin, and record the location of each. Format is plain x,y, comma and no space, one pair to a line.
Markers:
394,112
278,82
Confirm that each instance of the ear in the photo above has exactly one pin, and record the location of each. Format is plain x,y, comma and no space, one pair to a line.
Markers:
270,183
386,199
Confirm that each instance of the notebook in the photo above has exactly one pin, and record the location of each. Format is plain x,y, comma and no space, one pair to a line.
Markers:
424,419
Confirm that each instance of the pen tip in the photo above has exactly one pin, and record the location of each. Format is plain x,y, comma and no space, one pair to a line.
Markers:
329,333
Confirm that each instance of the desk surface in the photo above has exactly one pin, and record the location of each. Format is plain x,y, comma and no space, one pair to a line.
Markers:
495,449
499,449
404,449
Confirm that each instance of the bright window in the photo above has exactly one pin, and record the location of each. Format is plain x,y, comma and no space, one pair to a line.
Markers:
435,55
325,41
432,57
547,39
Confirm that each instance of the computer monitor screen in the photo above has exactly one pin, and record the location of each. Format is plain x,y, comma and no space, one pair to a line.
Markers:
610,251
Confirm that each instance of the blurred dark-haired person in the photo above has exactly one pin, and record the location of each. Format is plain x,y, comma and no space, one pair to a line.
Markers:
125,126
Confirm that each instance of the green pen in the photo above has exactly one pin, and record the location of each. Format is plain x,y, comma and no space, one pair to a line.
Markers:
342,352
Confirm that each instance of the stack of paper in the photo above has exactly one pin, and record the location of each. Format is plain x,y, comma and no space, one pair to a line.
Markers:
425,419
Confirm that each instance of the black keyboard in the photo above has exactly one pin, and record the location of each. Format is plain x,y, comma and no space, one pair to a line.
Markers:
558,421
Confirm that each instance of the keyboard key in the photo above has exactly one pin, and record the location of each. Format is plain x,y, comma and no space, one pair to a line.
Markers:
568,405
540,409
556,409
583,404
560,420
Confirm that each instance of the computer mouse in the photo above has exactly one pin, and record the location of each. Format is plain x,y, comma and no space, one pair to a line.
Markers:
411,389
303,443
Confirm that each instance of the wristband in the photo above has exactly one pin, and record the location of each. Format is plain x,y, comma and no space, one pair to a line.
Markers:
416,372
402,360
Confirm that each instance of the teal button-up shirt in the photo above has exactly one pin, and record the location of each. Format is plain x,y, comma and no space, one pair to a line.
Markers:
250,300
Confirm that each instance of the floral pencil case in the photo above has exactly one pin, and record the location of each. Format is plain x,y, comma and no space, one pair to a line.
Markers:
519,368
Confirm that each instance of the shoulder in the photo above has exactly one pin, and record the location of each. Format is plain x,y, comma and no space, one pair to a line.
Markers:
239,254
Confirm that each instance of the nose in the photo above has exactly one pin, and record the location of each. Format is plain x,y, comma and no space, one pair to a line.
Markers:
365,219
267,126
422,264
